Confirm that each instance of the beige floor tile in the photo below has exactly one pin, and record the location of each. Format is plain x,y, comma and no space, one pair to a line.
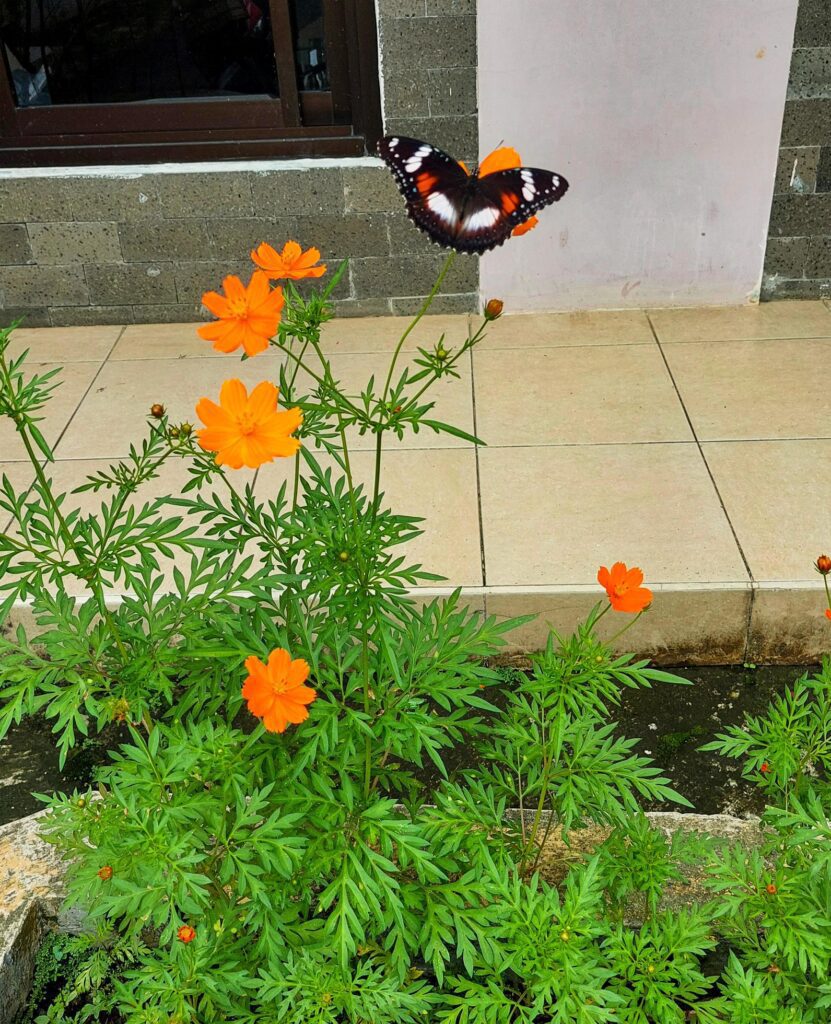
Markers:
692,625
764,389
548,330
75,379
788,625
553,515
582,395
164,341
64,344
777,495
382,333
114,413
439,486
743,323
453,399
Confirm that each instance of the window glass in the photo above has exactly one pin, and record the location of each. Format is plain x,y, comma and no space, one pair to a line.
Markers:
310,52
129,51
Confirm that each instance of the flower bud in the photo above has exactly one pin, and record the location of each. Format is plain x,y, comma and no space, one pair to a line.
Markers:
105,873
344,556
771,889
441,353
157,410
765,768
185,429
186,934
493,309
823,565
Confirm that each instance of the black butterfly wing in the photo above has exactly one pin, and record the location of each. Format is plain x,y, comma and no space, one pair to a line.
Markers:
521,192
434,185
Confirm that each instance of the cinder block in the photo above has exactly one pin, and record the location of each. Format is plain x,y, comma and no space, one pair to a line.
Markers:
458,136
452,92
371,190
172,313
793,215
118,199
283,194
440,42
38,287
818,261
406,238
234,239
131,284
774,288
796,170
66,243
787,257
455,7
194,278
401,8
823,183
182,239
411,275
465,302
339,237
90,316
14,245
31,316
192,193
33,199
813,23
363,307
810,77
806,122
406,92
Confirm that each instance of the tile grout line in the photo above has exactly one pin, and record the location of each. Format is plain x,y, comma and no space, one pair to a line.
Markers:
90,386
478,476
715,487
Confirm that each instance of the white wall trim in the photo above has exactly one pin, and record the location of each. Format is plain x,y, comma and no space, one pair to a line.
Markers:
200,167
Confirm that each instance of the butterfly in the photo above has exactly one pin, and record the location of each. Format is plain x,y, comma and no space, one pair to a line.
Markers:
464,211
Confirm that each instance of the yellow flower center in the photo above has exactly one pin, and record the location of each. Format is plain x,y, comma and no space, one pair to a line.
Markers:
239,308
247,423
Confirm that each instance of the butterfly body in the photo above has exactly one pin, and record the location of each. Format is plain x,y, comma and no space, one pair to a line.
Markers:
468,212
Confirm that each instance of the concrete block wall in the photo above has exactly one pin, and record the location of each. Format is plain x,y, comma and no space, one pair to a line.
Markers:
140,245
798,256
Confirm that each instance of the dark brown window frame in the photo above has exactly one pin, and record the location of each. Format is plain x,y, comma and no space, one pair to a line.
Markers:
343,121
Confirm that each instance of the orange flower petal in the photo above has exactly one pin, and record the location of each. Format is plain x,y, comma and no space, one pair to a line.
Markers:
262,402
233,396
505,158
216,303
291,253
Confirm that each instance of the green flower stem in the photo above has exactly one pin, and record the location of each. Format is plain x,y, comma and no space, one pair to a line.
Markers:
448,263
827,589
628,625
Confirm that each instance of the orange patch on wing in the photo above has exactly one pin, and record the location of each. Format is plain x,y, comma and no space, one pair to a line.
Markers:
425,182
509,202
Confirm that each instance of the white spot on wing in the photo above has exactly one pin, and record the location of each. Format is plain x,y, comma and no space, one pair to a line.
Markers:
528,193
393,143
484,218
413,164
441,206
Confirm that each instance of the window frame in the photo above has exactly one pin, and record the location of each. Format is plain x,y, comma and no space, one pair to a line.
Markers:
342,121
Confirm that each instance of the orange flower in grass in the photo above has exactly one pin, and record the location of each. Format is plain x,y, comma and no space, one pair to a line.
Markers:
292,262
247,430
248,316
828,613
275,692
624,588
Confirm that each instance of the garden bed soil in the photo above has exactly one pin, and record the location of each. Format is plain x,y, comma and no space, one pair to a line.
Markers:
673,722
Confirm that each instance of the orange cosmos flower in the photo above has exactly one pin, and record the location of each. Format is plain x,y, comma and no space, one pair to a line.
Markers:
248,316
624,588
828,613
186,934
275,692
505,159
292,262
247,430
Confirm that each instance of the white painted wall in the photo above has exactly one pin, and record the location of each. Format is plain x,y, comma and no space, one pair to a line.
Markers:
665,117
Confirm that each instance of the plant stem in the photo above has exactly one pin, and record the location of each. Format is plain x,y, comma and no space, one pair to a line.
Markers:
448,263
628,625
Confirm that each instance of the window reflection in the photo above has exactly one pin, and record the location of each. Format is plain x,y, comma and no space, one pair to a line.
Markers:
310,52
128,51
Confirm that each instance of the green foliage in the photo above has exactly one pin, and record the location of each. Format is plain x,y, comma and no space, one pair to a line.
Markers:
347,870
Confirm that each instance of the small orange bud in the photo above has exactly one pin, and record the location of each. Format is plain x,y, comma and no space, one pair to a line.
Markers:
823,565
828,613
493,309
765,768
773,969
186,933
105,873
157,410
771,889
